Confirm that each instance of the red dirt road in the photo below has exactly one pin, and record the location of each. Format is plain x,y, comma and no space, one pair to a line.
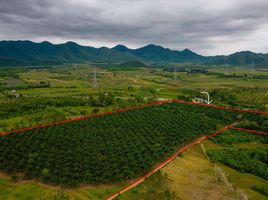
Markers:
221,107
250,131
131,108
81,118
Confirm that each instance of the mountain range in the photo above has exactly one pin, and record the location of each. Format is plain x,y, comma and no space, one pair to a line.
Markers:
25,53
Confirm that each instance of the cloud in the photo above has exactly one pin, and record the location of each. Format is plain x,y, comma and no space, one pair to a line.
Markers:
205,26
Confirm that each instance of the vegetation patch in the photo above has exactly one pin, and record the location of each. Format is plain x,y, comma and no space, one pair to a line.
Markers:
256,122
244,160
232,137
262,189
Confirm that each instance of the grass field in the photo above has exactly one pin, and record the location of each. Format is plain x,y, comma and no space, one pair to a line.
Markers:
32,190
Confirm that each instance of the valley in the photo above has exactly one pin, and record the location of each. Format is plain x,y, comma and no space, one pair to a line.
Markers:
36,96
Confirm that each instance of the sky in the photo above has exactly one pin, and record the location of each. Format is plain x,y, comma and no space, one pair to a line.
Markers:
208,27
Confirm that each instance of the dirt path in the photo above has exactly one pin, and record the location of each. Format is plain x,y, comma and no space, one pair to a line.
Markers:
222,177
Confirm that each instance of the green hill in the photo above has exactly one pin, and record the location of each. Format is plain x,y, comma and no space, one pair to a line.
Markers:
21,53
30,53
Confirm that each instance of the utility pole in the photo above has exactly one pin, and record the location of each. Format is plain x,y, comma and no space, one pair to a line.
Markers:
95,83
175,73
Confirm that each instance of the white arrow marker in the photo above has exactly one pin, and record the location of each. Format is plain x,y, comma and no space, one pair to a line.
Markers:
207,101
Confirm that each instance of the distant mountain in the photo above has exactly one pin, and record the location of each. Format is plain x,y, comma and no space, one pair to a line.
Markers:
241,58
19,53
157,53
30,53
122,48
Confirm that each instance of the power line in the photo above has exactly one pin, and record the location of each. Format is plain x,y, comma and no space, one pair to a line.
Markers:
175,73
95,83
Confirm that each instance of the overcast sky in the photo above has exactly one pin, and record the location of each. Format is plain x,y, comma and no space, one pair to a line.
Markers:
208,27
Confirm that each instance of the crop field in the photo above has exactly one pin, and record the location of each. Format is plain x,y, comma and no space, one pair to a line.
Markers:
110,148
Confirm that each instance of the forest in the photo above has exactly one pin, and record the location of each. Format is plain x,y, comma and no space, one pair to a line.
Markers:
110,148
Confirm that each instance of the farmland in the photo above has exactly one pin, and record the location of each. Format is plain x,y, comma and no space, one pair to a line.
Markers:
34,160
43,95
133,100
